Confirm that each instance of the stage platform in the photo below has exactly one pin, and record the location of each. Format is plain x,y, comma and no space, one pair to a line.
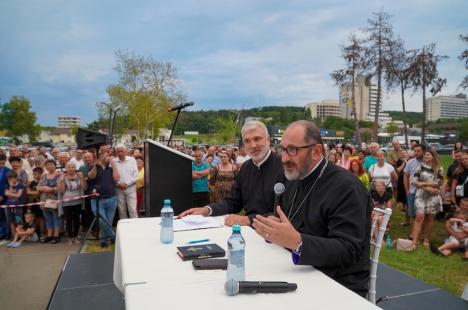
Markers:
86,283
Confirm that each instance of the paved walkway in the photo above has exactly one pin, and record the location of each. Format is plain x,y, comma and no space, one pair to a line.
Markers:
28,274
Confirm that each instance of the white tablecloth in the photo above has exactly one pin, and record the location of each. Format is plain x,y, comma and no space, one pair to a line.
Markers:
151,275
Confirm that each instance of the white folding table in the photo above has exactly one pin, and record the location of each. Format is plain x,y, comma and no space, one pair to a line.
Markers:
152,276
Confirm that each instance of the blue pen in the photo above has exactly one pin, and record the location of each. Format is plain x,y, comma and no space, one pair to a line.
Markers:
198,241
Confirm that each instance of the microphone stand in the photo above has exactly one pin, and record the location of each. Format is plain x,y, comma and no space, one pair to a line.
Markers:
173,127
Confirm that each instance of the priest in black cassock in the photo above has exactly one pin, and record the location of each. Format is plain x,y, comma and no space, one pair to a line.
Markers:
253,187
326,219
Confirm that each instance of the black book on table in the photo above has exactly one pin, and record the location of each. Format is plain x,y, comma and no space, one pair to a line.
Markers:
194,251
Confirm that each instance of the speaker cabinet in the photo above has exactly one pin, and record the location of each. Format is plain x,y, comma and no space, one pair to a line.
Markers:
86,138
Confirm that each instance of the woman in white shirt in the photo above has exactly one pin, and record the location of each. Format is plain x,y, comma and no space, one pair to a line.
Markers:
382,171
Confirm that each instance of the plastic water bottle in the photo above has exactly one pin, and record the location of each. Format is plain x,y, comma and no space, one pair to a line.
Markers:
388,242
167,222
236,256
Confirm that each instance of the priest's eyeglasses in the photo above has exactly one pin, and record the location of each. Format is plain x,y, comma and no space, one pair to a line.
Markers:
293,150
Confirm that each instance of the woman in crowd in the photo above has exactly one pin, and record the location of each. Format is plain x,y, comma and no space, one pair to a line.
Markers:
357,169
345,161
460,179
338,157
382,171
71,184
428,180
401,193
222,177
361,155
140,182
332,158
49,194
458,146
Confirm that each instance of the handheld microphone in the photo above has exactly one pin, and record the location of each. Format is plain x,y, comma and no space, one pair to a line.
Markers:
180,106
233,287
279,190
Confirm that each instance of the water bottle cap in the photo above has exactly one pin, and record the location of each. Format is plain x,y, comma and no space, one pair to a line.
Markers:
236,228
167,201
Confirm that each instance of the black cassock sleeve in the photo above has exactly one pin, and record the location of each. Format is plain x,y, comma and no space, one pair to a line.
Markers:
347,210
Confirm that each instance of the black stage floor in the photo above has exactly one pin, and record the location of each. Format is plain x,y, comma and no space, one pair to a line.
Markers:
86,283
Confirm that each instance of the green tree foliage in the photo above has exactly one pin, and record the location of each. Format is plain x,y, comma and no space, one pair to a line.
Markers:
17,119
413,118
212,121
146,89
463,130
464,57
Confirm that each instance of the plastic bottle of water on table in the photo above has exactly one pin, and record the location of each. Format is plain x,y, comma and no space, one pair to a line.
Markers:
167,222
236,255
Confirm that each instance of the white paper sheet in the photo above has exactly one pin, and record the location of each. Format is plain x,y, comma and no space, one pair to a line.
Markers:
187,224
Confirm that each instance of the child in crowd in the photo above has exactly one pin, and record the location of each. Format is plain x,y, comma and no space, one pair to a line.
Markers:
457,227
14,196
381,197
25,232
382,200
34,197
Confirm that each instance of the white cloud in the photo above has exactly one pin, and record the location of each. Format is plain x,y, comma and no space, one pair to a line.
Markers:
77,66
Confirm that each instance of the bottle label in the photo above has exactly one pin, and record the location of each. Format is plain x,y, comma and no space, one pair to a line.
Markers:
236,258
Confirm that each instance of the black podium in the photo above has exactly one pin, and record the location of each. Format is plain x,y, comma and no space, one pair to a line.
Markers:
168,175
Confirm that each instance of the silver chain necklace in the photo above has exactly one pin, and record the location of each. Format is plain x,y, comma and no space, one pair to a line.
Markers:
307,195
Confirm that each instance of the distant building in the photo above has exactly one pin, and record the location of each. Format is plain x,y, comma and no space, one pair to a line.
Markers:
68,121
62,136
324,108
446,107
365,95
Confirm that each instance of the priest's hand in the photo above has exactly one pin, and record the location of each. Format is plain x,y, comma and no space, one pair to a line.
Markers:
278,232
234,219
195,211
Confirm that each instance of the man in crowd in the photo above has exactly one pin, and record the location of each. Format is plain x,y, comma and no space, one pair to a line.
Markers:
5,232
78,159
63,159
253,187
242,157
200,172
394,155
86,215
212,151
105,173
371,159
410,168
326,219
126,188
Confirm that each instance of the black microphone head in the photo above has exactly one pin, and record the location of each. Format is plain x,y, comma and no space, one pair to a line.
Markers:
278,188
231,287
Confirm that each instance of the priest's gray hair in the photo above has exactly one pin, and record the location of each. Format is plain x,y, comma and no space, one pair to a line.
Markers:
312,133
253,125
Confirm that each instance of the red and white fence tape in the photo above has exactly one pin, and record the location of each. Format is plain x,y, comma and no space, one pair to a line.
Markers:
43,202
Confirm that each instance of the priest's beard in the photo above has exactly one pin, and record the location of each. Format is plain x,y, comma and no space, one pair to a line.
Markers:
297,170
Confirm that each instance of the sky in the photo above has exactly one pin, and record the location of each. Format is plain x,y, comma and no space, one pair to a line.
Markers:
232,54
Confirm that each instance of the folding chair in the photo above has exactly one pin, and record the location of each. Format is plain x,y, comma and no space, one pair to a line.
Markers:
375,248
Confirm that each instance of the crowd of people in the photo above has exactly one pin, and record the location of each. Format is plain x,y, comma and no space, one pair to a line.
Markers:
46,194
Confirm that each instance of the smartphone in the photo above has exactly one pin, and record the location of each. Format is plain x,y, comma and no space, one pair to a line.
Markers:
210,264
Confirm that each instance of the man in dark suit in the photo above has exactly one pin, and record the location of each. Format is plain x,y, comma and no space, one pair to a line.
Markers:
5,232
326,219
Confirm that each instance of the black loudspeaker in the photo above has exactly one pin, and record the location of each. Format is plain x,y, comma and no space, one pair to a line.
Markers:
86,138
168,175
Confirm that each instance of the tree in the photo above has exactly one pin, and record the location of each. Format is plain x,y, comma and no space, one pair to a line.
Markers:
463,130
379,42
227,128
145,90
424,73
397,74
392,128
17,118
353,55
464,57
